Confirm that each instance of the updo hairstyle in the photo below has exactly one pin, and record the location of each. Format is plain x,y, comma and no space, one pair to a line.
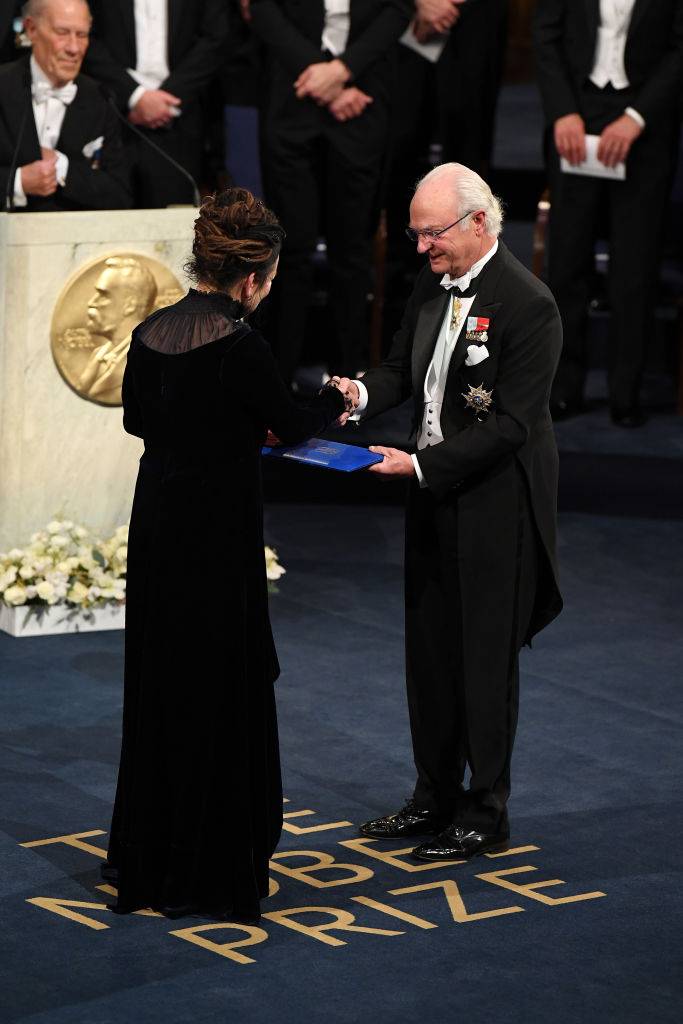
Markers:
235,235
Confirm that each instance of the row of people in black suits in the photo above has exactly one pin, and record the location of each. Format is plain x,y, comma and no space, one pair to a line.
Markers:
158,89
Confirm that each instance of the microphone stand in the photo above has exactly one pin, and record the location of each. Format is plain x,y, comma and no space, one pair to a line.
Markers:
196,198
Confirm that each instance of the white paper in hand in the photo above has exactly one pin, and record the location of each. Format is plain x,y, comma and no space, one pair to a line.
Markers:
592,167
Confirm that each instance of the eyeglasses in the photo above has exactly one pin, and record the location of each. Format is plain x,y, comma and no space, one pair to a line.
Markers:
430,234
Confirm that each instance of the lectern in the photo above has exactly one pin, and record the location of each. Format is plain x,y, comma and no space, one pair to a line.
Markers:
72,287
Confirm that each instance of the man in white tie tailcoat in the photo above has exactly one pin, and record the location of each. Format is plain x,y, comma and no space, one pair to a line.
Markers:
60,144
476,351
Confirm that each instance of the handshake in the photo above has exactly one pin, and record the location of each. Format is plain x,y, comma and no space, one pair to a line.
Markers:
351,394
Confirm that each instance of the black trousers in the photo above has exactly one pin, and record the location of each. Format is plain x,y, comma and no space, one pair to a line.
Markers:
467,614
634,210
320,173
451,103
154,181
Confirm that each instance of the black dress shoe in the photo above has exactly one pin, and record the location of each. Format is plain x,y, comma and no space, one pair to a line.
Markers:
460,843
630,416
563,409
411,820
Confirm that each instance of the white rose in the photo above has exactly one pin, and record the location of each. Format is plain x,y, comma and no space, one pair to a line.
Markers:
45,590
67,525
54,527
27,571
80,532
30,592
59,542
8,577
78,593
15,595
15,554
274,571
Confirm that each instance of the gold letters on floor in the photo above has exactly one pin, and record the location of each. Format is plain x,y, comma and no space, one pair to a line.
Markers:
320,870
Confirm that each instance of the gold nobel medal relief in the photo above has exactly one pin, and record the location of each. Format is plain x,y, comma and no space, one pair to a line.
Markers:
95,314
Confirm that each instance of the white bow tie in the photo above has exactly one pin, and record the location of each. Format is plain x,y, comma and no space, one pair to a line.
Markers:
462,283
43,91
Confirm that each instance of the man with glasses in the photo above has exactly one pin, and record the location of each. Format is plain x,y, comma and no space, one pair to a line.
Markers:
477,350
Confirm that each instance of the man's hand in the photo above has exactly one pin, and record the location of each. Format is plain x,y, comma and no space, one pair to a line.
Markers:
395,462
322,82
616,140
350,103
434,17
245,10
570,138
154,109
40,177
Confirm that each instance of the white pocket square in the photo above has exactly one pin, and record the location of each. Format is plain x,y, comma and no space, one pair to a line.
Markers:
476,354
91,148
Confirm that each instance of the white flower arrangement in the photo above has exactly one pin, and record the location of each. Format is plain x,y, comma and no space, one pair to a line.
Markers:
273,569
65,563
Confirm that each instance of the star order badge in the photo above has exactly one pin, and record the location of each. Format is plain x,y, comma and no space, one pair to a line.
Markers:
478,399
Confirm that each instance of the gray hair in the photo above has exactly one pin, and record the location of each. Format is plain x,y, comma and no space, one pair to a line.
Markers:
34,8
471,193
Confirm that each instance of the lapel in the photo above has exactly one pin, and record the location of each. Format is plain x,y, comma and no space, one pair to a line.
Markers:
18,102
484,305
593,16
174,8
127,14
429,321
71,137
639,9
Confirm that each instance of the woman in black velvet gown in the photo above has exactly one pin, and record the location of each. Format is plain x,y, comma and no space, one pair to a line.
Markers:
198,807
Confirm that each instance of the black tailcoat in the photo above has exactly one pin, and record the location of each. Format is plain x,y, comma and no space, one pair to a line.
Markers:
481,571
89,186
565,40
196,36
320,173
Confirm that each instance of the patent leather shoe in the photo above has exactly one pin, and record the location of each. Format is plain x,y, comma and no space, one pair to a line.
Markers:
411,820
459,842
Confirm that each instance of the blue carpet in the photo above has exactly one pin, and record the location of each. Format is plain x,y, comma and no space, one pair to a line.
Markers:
596,804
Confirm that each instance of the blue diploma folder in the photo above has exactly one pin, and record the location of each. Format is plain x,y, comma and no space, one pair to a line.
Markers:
329,454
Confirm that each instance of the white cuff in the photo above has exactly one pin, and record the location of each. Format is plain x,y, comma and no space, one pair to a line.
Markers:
135,96
638,118
19,194
362,397
62,168
418,471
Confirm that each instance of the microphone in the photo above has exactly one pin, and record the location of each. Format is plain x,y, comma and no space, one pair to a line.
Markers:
109,97
9,191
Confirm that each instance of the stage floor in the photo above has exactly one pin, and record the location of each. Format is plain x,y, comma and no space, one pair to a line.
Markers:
596,804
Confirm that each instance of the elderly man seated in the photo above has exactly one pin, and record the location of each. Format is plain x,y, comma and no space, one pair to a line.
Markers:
60,143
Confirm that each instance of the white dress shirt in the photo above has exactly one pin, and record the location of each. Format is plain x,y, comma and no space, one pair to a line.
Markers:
337,22
49,108
608,67
151,47
437,371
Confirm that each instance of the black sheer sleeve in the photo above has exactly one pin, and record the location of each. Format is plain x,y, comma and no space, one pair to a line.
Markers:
132,414
252,379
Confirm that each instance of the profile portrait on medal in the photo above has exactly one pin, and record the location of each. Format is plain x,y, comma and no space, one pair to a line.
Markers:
96,314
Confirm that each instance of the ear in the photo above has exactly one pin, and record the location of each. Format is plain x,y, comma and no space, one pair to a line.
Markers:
249,287
479,221
30,27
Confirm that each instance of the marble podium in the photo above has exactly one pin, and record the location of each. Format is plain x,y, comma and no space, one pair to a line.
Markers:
64,453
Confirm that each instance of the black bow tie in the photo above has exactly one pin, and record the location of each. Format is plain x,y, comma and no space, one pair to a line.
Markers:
469,292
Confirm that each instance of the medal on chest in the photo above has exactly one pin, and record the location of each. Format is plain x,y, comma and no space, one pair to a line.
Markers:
456,313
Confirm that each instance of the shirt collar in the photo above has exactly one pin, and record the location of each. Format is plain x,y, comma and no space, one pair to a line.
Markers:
38,77
463,282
